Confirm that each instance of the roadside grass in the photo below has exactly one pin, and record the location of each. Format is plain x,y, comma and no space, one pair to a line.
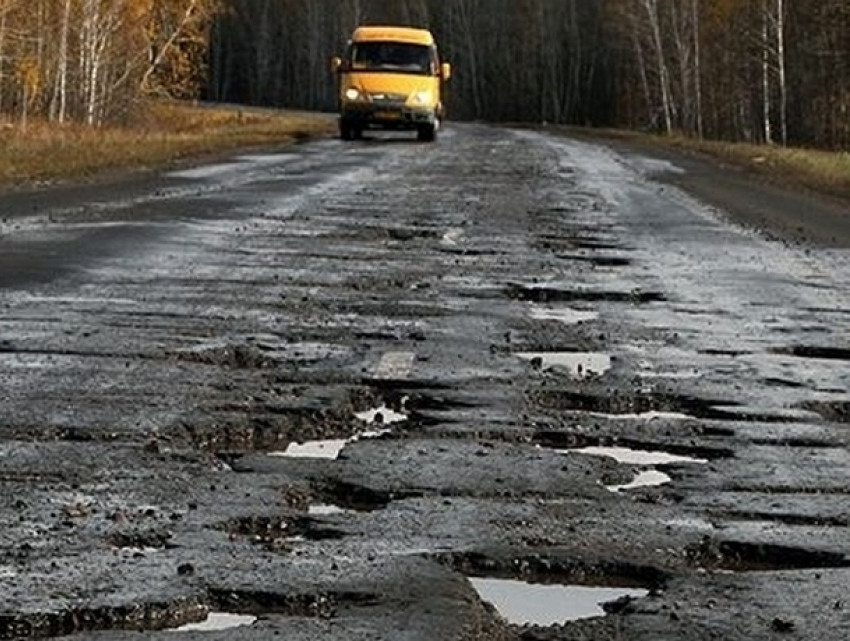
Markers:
157,134
809,169
822,171
163,133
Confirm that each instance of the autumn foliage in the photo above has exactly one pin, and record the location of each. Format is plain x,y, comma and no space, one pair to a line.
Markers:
760,71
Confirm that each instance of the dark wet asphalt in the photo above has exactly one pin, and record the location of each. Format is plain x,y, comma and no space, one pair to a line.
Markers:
164,339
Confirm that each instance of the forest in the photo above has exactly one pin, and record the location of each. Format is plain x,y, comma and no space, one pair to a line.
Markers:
762,71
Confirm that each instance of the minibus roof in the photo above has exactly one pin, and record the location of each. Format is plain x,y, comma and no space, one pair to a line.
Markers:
393,34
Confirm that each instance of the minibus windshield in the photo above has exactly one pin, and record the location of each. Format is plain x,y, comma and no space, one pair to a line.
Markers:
391,56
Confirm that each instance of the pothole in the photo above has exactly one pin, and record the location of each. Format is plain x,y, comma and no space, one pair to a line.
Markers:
330,449
278,533
382,415
833,411
562,314
325,509
814,351
322,449
262,428
521,603
638,457
602,260
544,294
576,364
743,556
132,616
140,541
224,354
644,478
649,406
352,497
218,621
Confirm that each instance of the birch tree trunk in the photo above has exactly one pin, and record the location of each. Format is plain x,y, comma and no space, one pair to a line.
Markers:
765,73
781,70
651,8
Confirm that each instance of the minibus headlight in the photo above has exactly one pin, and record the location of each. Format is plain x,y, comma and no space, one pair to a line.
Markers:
421,98
353,94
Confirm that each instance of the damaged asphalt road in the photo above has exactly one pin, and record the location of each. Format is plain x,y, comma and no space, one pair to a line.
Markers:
326,393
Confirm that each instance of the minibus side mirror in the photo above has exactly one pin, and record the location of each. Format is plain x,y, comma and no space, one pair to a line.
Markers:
336,64
445,71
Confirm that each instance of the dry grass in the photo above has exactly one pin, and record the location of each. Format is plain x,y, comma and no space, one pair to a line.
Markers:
159,134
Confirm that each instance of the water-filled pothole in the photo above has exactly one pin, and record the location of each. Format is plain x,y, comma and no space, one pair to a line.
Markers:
330,448
577,364
218,621
321,449
522,603
638,457
644,478
382,415
324,509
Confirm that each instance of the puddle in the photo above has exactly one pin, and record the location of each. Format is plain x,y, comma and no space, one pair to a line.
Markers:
218,621
578,364
646,478
565,315
637,457
382,415
544,605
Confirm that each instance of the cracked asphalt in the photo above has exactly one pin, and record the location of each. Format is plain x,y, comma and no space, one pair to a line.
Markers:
481,342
